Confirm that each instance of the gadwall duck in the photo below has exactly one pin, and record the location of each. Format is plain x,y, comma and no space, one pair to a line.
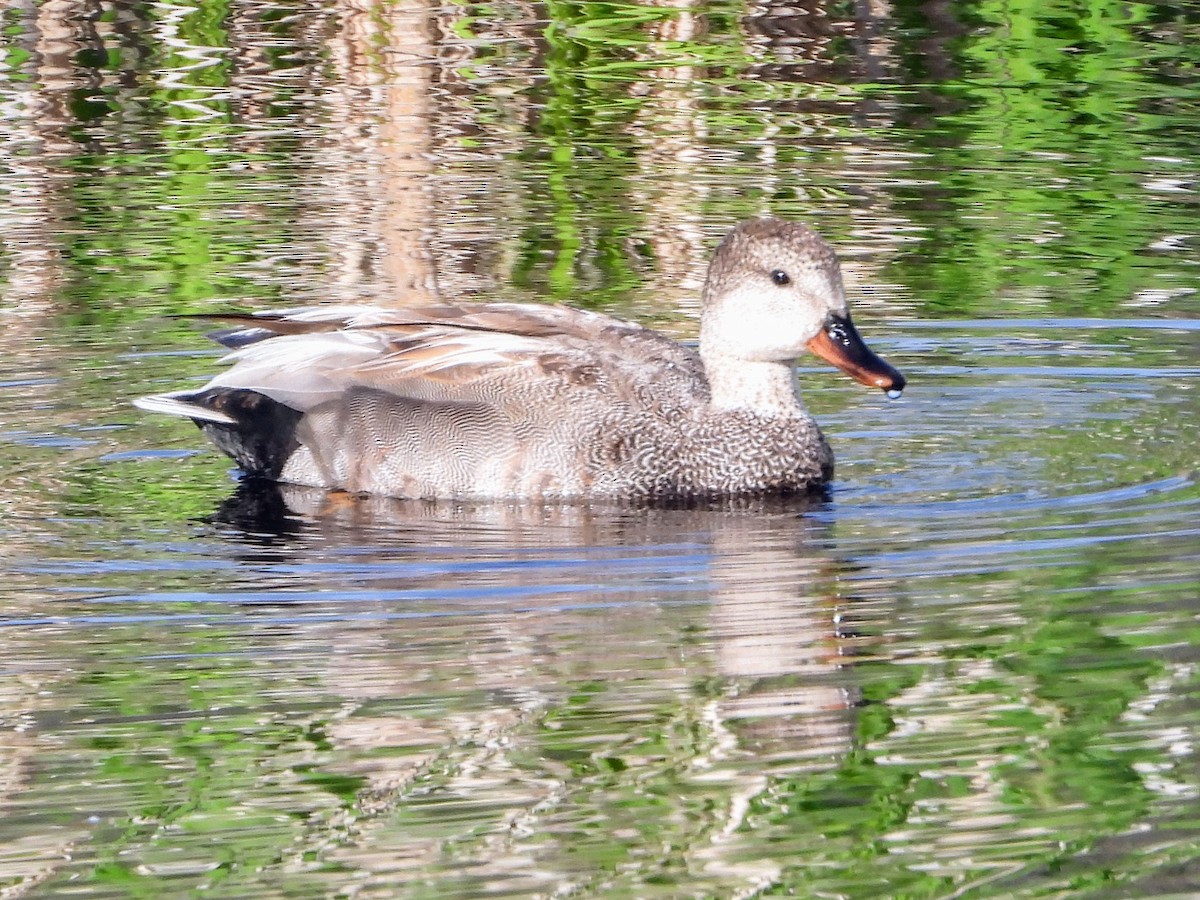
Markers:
522,401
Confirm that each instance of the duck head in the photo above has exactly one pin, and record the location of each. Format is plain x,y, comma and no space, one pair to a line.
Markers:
774,289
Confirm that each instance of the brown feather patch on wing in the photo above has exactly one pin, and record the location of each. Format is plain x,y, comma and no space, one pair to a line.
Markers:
448,355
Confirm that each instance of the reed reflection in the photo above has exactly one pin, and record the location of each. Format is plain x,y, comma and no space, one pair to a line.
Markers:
35,135
375,192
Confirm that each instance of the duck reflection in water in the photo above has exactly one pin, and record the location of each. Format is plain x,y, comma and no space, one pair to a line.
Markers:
727,620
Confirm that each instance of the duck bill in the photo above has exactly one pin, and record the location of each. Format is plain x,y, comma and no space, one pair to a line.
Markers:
839,343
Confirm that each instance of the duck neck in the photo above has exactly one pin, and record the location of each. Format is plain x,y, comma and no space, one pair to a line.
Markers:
765,388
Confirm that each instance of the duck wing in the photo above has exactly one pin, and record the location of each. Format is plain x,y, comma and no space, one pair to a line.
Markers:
460,353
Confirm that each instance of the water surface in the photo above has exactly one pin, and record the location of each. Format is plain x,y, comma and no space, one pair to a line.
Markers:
970,671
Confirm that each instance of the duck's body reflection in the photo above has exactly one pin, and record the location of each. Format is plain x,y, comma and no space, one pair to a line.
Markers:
543,660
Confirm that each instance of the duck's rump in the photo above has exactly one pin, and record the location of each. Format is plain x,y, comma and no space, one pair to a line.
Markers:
259,433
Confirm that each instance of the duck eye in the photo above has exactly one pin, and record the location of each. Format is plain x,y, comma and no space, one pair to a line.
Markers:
781,277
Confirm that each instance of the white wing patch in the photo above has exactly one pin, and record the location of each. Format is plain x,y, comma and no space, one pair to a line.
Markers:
300,371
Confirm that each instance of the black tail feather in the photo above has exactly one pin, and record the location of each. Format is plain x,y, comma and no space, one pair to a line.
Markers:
264,436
